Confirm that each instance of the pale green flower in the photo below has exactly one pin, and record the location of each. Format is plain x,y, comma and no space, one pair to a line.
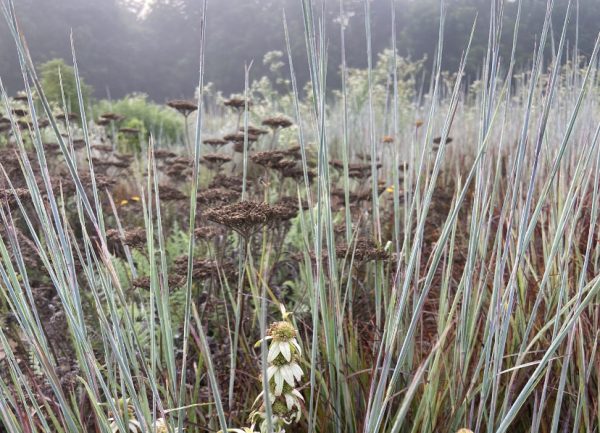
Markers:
123,405
292,400
286,373
286,348
160,426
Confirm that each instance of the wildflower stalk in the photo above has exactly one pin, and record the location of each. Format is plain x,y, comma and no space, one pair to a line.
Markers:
283,375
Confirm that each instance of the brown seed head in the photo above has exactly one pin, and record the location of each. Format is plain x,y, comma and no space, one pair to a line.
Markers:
185,107
276,122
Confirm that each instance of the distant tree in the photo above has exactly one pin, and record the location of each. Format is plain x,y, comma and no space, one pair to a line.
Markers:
52,73
126,46
164,123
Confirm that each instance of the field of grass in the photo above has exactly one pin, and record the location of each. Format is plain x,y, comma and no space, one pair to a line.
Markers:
412,253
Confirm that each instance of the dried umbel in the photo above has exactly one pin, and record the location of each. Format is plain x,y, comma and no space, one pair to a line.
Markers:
24,124
104,148
228,182
254,130
213,196
355,170
237,103
269,159
356,197
215,142
168,193
277,122
164,154
178,171
297,173
42,123
78,143
144,282
112,117
202,269
207,233
363,250
216,159
99,163
141,283
102,182
50,147
387,139
182,160
123,157
292,202
244,217
185,107
19,112
21,97
238,138
438,140
129,131
66,117
135,238
11,198
284,212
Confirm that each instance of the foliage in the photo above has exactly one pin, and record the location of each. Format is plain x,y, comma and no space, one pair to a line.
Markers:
153,46
55,71
165,124
448,283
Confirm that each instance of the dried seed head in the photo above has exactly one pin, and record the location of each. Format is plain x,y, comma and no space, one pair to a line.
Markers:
214,141
19,112
112,116
131,131
363,250
254,130
238,137
216,158
215,196
207,232
438,140
228,182
236,103
164,154
276,122
244,217
185,107
168,193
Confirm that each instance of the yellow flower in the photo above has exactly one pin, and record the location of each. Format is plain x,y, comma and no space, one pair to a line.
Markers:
464,430
390,188
135,198
124,202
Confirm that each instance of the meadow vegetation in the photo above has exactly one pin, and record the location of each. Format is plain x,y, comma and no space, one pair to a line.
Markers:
398,255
